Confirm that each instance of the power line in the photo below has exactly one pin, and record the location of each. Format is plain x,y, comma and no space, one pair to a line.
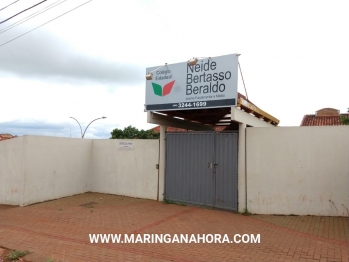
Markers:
44,24
31,16
22,11
8,5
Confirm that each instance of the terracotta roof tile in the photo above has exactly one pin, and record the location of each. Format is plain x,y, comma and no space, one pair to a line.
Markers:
6,136
327,112
313,120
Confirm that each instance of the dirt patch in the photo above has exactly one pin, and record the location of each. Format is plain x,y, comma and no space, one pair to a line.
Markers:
89,204
4,252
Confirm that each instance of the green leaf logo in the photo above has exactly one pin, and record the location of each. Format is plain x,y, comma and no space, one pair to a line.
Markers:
159,91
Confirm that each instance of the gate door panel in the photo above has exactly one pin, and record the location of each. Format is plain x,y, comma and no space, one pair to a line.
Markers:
188,177
226,170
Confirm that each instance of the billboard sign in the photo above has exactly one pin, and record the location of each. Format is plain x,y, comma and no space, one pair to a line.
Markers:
211,82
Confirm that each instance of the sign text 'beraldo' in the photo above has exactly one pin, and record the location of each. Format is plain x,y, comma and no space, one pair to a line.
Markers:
211,82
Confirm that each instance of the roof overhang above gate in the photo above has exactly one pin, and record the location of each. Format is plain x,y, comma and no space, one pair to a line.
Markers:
206,118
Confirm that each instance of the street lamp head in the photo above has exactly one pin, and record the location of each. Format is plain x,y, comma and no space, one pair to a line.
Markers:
103,117
193,61
149,75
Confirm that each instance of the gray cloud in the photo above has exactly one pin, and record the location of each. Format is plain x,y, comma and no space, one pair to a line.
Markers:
43,56
20,128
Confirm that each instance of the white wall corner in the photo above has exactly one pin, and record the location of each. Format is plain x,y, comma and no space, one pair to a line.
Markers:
91,168
242,168
162,163
23,174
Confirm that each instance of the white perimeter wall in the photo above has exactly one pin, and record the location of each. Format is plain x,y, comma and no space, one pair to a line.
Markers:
37,168
290,170
130,173
55,167
298,170
10,171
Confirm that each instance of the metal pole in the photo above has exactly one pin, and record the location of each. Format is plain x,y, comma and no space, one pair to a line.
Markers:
91,123
79,125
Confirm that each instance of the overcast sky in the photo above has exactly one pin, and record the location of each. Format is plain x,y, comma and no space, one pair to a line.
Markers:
91,62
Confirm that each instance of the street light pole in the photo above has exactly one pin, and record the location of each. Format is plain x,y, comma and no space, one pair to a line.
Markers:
83,134
103,117
79,125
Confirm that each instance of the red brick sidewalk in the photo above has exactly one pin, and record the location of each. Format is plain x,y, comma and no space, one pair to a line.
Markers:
59,229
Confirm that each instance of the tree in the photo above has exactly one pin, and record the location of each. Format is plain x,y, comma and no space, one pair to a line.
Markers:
131,132
344,119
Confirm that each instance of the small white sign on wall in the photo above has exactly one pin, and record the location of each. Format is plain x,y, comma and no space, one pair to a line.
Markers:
125,145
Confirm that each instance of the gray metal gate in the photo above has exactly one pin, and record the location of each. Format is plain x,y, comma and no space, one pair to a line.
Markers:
201,168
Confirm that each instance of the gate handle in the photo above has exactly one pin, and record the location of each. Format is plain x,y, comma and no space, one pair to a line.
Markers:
211,165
